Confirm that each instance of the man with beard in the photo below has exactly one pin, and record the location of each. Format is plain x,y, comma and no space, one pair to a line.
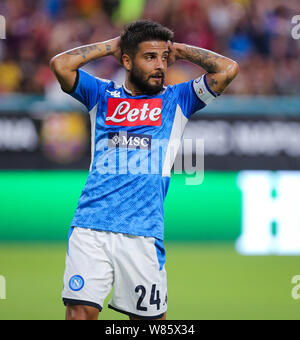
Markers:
116,236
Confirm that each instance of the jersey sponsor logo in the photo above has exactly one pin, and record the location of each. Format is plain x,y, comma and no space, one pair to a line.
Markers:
76,283
125,139
134,112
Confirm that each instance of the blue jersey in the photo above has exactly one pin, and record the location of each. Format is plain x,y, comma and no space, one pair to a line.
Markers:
132,152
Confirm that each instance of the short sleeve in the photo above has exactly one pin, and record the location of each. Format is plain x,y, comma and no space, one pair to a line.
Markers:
194,95
87,89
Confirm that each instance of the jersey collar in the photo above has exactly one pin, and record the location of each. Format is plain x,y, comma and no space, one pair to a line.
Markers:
130,93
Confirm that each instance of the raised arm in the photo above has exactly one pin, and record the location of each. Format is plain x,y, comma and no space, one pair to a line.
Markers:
220,70
66,64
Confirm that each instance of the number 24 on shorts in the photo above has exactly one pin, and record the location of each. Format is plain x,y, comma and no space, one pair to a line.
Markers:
154,298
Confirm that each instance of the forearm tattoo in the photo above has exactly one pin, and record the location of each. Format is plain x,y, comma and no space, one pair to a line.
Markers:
84,51
206,59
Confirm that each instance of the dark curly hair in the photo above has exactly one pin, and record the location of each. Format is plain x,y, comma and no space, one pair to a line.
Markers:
140,31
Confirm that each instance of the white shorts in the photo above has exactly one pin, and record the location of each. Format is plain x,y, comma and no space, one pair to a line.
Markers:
97,260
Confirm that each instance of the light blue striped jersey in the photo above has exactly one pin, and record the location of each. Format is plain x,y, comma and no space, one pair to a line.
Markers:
132,152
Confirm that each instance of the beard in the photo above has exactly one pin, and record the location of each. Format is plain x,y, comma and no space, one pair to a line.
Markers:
142,82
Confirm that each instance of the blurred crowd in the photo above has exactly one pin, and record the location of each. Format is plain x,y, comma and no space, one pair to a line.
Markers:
256,33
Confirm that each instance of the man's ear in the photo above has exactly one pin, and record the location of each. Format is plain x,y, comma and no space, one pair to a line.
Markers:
127,62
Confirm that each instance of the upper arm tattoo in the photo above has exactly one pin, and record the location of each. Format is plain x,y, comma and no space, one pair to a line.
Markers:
212,82
217,66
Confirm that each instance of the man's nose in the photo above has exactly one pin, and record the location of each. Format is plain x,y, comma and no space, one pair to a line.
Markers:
159,64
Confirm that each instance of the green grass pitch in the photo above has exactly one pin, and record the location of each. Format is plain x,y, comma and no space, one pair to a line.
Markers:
205,281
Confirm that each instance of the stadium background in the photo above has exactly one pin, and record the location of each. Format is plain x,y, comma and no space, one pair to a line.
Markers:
233,241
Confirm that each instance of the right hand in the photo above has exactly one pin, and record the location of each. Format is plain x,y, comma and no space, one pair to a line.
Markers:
116,49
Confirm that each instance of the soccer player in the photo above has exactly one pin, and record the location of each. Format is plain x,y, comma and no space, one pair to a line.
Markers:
116,236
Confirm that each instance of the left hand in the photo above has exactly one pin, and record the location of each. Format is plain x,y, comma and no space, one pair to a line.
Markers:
173,53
